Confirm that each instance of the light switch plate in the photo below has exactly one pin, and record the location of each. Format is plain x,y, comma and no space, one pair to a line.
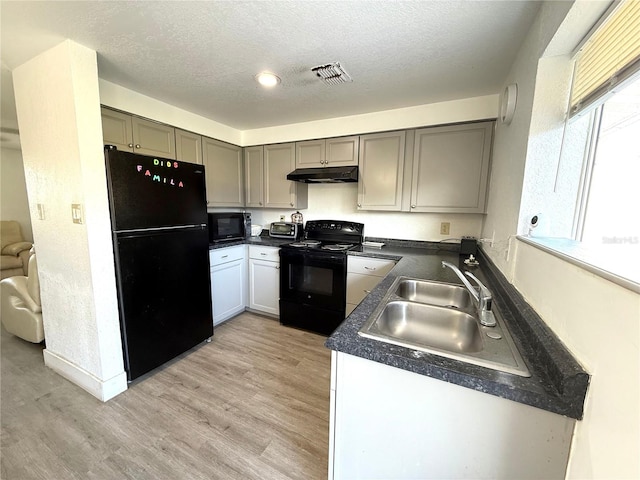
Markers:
40,207
76,213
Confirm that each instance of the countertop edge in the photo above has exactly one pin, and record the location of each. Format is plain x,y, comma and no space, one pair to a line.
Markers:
562,381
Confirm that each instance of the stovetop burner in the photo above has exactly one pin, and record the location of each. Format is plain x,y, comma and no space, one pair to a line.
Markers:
306,244
337,246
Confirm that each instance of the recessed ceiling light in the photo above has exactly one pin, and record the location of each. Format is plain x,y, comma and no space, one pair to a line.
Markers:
267,79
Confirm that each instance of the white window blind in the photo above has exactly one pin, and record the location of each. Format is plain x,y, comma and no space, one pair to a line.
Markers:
609,57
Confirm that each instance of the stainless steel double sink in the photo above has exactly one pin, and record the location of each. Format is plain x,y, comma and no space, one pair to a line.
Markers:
441,318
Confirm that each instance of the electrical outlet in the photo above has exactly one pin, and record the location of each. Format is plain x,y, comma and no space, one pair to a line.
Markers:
445,228
282,217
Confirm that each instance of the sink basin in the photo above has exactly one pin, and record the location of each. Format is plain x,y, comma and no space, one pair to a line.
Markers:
441,319
434,293
430,326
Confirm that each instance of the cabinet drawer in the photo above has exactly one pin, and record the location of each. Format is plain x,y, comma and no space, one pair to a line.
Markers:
271,254
226,254
369,266
359,286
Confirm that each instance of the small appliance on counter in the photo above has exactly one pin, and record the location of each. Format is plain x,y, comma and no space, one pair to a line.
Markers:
256,230
286,230
228,226
297,218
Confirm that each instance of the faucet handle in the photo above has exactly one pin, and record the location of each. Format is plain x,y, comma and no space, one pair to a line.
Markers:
487,318
485,294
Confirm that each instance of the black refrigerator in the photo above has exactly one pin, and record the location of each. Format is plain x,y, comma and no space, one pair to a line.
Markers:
161,246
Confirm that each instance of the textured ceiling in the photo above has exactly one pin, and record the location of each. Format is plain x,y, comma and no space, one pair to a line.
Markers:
202,56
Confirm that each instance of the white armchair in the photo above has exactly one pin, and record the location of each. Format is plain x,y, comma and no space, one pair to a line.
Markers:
20,305
14,251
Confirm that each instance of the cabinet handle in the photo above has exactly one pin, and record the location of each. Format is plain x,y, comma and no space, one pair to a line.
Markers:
366,291
291,204
264,254
413,206
277,268
137,145
259,203
370,268
326,162
359,206
130,145
224,256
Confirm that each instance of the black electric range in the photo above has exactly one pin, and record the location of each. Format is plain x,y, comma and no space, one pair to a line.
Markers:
313,275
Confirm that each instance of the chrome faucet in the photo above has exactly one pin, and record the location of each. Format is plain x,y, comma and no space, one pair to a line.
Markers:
483,298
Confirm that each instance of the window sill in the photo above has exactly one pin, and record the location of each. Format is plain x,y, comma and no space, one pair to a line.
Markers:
617,263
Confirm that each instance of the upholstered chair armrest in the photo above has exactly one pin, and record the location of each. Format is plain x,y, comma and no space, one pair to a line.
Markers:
15,248
16,287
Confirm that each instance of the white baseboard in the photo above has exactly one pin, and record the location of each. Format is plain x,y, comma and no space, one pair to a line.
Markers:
101,389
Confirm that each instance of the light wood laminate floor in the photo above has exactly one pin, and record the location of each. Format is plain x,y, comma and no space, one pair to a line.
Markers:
252,404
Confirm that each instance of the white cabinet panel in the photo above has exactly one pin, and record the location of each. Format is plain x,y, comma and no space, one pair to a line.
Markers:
264,279
228,282
391,423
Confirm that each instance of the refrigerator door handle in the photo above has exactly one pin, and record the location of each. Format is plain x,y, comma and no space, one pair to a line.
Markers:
179,227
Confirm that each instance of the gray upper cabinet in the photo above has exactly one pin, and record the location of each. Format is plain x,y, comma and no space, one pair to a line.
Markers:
254,176
280,160
117,129
223,169
450,168
381,171
135,134
188,146
331,152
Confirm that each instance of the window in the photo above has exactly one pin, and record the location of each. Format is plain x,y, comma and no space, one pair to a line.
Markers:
609,214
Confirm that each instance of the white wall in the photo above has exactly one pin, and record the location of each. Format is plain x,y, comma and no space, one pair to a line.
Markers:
61,134
337,201
597,320
600,323
14,204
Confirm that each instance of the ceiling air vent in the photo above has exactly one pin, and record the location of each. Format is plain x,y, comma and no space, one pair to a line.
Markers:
332,73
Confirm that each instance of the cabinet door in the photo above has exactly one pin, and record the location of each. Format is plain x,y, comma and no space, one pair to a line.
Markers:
254,176
228,284
153,138
116,130
223,168
359,286
264,286
342,152
310,154
450,168
381,171
188,147
279,160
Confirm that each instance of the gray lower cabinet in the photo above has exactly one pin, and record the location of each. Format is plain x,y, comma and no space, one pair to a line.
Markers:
266,181
451,168
188,146
224,173
381,171
134,134
330,152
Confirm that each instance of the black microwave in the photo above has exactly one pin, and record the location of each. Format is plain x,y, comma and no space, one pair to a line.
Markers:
227,226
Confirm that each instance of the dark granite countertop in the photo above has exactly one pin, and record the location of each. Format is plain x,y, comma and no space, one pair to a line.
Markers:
557,384
263,239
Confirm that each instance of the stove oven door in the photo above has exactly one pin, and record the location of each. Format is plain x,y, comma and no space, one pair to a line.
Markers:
313,289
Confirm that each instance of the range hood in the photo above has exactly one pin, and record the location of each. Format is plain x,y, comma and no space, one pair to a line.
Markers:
324,175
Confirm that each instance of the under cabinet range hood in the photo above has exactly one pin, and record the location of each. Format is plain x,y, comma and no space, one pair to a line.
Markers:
325,175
